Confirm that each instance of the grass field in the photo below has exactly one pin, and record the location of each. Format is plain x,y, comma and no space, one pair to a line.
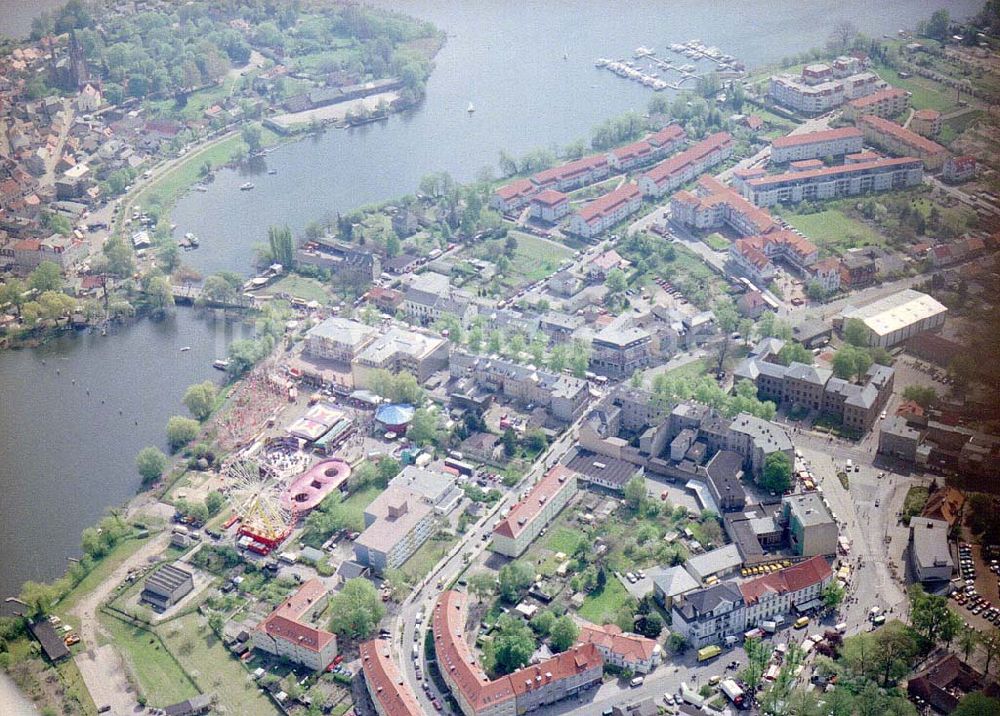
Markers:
716,241
834,231
693,370
212,668
916,498
537,258
161,679
97,575
429,554
597,604
308,289
926,94
359,500
563,540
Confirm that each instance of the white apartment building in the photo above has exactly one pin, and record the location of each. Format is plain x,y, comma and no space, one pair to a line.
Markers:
526,519
816,145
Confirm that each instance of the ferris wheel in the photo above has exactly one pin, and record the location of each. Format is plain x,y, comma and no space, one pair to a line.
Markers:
256,497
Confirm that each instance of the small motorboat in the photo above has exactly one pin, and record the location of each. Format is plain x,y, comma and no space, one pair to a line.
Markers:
185,349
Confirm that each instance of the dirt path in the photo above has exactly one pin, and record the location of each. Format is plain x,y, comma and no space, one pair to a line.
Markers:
101,667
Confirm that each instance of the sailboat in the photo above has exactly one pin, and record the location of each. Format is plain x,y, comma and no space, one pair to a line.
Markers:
471,109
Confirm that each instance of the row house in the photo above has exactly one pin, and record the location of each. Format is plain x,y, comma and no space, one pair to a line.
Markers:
755,256
710,204
654,147
549,205
559,677
886,103
835,182
513,196
636,653
527,518
685,166
389,692
287,633
898,140
606,211
707,616
572,175
816,145
794,589
64,251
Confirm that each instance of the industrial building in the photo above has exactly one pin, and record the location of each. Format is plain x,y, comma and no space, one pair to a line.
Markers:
895,318
167,586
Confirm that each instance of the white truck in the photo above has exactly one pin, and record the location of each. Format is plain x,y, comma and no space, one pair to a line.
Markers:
691,696
769,626
731,689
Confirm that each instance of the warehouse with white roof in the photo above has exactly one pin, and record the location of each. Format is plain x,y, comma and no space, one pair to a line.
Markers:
895,318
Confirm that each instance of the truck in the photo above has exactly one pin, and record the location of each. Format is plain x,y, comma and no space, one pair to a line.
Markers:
709,652
691,696
731,689
769,626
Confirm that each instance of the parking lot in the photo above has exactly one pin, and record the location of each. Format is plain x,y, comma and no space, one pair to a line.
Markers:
977,596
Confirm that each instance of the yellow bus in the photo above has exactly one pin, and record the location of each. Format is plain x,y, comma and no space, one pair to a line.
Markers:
709,652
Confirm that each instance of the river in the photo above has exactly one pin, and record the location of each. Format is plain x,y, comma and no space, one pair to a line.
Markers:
67,457
75,413
507,59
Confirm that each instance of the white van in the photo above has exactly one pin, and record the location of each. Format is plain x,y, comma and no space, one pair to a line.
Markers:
637,682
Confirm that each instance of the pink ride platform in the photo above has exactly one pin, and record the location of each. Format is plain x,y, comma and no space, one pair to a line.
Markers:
308,489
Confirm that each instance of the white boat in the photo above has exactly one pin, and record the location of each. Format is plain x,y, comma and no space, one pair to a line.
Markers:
246,187
272,171
471,108
185,349
200,187
220,364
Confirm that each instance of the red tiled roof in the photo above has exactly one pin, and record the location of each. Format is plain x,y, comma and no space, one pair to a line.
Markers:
875,98
846,169
792,579
630,647
911,139
518,187
569,170
522,513
385,682
635,149
927,115
828,135
460,668
549,197
28,245
671,166
670,133
712,191
284,622
608,260
609,202
807,164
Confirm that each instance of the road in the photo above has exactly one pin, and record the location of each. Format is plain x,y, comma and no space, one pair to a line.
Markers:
101,667
465,552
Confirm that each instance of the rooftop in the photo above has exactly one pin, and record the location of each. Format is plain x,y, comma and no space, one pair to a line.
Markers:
786,581
930,542
846,169
521,514
385,683
897,311
904,135
828,135
397,511
808,509
342,330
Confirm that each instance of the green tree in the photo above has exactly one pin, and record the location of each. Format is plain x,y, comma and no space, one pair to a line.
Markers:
357,609
542,622
511,648
563,633
509,442
777,474
635,492
650,625
181,431
832,595
281,245
758,655
856,332
794,353
200,399
121,257
937,26
579,358
387,469
47,276
38,598
515,577
150,462
423,428
677,643
967,639
481,585
168,256
726,315
924,395
931,618
214,502
251,135
12,292
977,704
615,282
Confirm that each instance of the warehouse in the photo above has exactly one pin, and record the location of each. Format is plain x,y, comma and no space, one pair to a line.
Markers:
897,317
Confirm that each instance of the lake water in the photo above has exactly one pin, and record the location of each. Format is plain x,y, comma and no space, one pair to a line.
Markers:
507,59
66,456
74,414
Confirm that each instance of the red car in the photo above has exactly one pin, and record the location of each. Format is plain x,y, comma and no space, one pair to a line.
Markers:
437,704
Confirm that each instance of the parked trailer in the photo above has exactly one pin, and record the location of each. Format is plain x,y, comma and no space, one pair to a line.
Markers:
731,689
